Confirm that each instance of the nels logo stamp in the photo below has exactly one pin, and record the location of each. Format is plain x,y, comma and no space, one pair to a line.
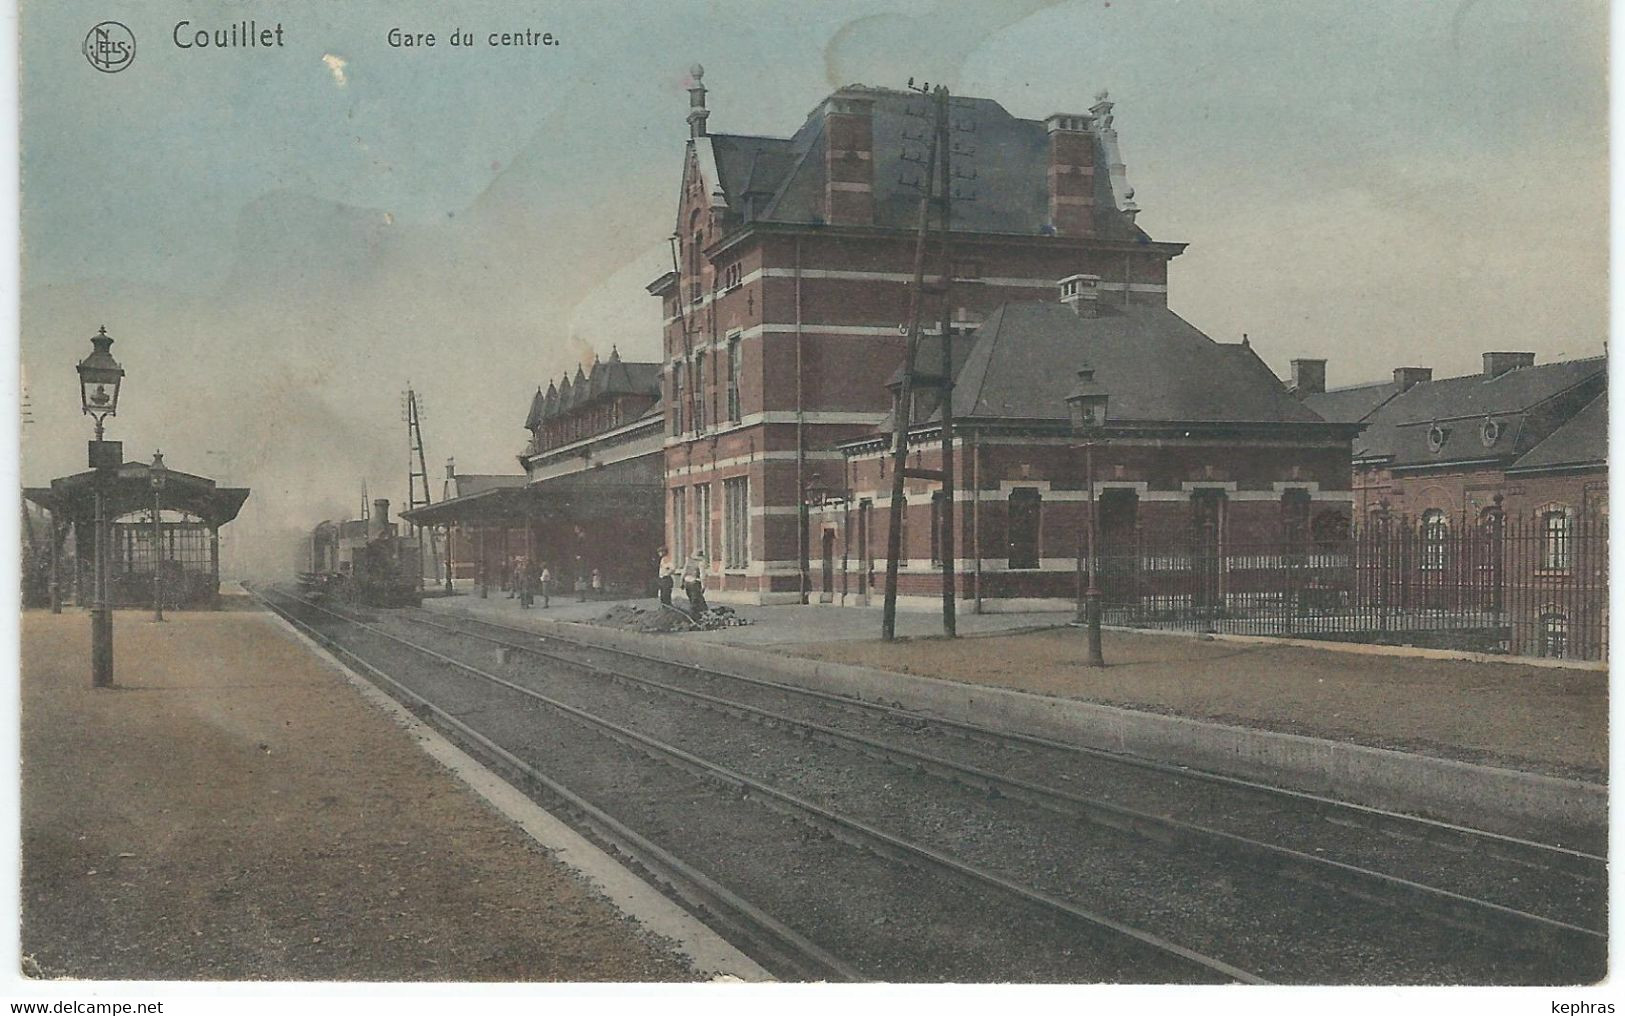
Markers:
110,47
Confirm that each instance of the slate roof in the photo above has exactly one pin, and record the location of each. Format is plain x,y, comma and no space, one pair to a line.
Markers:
474,483
1354,404
608,377
1582,441
1008,155
1398,431
1156,367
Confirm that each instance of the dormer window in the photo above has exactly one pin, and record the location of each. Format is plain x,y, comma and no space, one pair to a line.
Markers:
1437,437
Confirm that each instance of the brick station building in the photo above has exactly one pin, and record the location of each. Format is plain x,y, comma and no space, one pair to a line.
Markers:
793,258
785,315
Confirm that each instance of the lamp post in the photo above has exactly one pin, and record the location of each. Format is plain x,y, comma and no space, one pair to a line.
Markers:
158,476
100,377
1087,408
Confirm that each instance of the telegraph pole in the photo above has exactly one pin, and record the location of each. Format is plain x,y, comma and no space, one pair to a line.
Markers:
936,169
417,474
950,571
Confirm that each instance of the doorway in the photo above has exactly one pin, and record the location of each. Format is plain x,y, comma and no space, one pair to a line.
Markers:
827,594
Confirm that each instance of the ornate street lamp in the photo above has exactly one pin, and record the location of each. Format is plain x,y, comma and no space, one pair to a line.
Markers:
100,377
1087,406
158,476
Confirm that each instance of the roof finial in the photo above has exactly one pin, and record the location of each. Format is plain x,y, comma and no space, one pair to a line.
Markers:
697,112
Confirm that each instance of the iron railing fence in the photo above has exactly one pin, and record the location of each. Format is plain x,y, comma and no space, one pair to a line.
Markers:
1527,586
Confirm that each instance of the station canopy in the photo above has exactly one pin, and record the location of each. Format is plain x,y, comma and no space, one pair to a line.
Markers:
72,499
595,494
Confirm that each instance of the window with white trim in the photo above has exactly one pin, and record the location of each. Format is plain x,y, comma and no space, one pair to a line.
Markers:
699,393
677,398
1435,540
679,526
736,523
1556,538
735,365
702,520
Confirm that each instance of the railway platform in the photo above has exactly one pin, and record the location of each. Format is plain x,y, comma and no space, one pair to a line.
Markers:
1520,747
1509,713
234,809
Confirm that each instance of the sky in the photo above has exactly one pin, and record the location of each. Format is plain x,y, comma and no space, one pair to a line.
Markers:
280,240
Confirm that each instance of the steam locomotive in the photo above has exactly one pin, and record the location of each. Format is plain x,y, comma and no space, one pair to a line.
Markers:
365,562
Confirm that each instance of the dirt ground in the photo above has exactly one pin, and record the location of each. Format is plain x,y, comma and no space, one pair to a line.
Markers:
235,810
1547,720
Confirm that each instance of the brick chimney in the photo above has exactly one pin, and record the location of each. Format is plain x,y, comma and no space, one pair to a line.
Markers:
1496,364
1409,377
849,165
1308,377
1082,294
1071,174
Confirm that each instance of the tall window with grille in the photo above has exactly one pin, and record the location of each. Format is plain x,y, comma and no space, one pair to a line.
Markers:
736,523
734,370
702,520
1025,512
1556,529
679,526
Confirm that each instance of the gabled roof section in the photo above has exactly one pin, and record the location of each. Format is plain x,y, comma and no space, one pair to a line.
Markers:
1580,443
1156,367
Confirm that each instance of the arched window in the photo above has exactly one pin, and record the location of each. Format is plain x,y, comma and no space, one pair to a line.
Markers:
1435,539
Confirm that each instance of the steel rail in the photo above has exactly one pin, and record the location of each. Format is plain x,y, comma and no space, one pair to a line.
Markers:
777,945
1579,862
853,830
1487,915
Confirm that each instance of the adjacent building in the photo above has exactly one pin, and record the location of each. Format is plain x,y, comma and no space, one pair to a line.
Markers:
590,499
1487,495
1530,437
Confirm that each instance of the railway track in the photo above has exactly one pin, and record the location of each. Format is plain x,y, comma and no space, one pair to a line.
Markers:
1020,776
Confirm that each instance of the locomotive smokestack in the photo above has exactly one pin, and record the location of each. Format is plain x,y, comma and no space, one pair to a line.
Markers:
378,525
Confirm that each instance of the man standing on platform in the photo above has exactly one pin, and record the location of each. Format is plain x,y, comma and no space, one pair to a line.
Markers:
668,575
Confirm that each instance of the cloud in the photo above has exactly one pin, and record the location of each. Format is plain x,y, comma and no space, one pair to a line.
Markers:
337,64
